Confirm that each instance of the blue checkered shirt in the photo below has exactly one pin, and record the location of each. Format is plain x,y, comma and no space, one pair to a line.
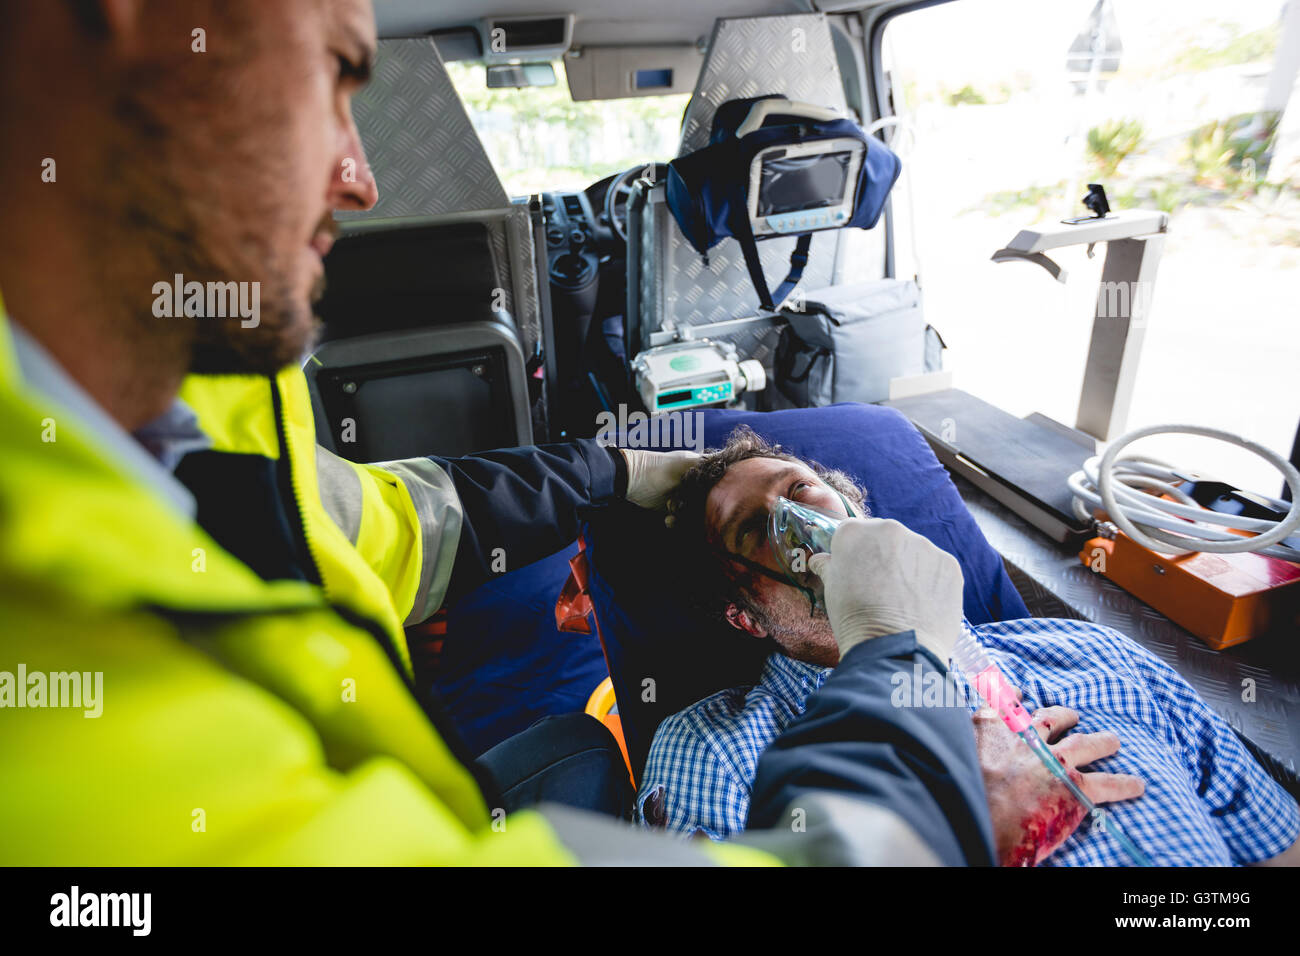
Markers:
1207,801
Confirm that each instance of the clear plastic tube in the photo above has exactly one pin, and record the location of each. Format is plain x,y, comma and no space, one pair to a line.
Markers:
988,681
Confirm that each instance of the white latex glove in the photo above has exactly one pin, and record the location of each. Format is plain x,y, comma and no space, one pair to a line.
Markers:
881,578
651,475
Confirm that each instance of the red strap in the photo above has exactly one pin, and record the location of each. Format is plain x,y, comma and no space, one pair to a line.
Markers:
575,612
424,640
574,603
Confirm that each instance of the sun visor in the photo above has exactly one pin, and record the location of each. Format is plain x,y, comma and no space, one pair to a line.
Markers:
512,39
615,72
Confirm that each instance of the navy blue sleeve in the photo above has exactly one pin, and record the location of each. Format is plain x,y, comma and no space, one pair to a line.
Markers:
526,501
919,762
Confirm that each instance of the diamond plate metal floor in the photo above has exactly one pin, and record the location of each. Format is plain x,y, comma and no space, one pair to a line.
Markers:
1271,721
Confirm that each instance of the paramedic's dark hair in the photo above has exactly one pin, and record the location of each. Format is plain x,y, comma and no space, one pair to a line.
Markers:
714,580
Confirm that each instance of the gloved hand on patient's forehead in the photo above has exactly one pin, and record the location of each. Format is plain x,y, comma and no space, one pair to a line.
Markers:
652,475
880,578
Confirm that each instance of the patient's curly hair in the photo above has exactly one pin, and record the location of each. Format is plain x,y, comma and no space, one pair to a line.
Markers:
714,580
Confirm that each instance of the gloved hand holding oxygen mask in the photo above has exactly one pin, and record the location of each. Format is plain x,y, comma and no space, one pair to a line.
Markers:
883,579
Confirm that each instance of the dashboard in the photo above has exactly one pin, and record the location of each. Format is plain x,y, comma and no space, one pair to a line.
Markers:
586,275
577,237
578,216
580,233
590,223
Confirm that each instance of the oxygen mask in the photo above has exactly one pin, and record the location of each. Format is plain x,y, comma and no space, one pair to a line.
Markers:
796,532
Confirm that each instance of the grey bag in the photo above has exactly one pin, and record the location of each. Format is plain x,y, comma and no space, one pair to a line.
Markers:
850,340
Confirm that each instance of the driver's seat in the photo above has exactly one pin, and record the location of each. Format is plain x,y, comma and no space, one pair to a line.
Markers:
669,287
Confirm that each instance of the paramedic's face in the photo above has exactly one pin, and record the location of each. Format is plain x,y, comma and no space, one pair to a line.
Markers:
248,147
736,516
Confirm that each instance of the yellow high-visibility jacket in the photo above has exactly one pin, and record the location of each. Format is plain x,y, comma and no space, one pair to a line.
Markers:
241,720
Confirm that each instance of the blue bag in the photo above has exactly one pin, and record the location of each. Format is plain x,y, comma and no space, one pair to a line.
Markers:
708,191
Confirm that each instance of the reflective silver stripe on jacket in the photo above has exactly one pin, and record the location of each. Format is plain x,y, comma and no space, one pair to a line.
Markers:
835,829
434,495
841,829
595,840
340,492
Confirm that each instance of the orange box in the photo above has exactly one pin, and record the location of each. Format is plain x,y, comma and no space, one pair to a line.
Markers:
1224,599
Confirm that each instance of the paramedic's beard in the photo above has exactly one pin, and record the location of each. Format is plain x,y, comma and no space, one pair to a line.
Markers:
278,334
284,328
282,336
172,243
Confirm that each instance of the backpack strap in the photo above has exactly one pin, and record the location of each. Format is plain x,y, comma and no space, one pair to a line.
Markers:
770,301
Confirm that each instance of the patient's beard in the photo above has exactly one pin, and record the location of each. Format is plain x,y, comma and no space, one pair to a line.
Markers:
801,636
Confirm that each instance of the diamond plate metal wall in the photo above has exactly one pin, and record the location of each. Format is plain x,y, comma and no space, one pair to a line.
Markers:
524,305
425,154
694,293
790,55
678,288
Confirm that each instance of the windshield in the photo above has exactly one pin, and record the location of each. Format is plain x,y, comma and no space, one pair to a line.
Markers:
540,140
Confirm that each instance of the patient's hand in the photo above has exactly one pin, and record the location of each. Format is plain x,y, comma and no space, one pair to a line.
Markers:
1033,813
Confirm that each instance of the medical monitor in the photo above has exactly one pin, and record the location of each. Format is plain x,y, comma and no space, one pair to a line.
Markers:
804,187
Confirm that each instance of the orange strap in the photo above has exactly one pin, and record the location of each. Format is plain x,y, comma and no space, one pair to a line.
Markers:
574,613
425,641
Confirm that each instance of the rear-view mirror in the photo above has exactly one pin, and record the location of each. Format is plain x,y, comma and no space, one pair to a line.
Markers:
518,75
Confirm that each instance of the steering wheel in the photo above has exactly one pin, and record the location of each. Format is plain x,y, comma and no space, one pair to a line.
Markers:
620,190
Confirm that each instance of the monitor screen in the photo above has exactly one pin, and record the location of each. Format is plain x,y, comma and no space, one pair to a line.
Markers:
802,182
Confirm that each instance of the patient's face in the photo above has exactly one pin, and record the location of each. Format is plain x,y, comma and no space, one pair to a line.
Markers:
736,516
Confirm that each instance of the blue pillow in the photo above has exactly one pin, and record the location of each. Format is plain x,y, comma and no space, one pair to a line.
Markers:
663,656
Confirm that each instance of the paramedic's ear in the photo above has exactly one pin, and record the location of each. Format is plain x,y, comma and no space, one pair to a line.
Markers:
744,621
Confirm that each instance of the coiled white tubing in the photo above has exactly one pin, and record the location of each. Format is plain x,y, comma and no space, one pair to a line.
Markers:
1119,486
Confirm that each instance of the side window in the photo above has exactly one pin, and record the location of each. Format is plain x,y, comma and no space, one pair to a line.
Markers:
1014,106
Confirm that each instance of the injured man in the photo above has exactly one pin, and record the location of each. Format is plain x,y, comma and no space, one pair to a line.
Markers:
1172,773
